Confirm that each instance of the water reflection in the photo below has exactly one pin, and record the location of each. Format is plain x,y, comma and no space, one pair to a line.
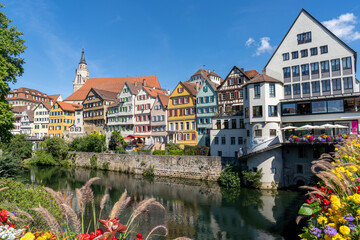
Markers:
195,209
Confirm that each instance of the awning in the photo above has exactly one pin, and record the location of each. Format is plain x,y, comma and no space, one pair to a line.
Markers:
135,136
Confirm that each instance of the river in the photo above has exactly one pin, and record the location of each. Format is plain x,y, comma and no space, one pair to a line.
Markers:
194,209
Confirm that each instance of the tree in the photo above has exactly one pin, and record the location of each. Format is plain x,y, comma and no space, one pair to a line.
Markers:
57,147
11,46
18,147
116,141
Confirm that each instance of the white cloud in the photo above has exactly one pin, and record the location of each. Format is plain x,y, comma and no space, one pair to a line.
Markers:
343,27
264,46
249,42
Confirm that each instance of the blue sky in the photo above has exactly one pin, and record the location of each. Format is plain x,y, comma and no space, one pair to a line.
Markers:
171,39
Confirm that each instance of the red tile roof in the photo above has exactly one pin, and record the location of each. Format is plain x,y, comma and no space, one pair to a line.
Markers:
155,91
54,97
252,73
18,109
191,87
47,105
205,73
164,99
69,106
106,95
110,84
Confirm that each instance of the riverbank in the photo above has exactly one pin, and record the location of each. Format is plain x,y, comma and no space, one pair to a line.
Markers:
189,167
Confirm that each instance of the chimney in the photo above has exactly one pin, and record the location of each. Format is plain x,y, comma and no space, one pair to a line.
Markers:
144,82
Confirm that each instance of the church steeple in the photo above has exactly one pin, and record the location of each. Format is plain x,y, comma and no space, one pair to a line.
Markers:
82,59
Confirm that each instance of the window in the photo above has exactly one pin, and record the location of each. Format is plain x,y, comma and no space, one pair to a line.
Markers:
346,63
296,88
219,153
218,124
241,125
348,83
336,84
324,49
286,72
315,86
287,90
232,140
295,71
205,88
318,107
223,140
272,89
299,168
258,133
335,105
305,69
232,95
246,112
272,132
324,66
226,124
335,65
313,51
305,88
285,56
304,37
304,53
231,81
216,140
295,55
272,111
240,140
180,89
325,85
314,68
233,123
257,111
288,109
257,90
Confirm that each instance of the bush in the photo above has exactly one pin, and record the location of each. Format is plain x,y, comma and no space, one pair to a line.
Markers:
229,177
253,179
116,142
148,172
25,197
143,152
176,152
202,150
19,147
57,147
189,150
91,143
43,159
9,165
173,146
159,152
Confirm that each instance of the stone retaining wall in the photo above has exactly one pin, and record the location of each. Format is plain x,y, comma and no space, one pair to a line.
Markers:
190,167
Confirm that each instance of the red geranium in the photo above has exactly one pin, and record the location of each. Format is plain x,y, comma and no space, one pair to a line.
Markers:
3,215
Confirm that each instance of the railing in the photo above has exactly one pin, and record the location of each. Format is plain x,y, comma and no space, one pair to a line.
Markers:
323,138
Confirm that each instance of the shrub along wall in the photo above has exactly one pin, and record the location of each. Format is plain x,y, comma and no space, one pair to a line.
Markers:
191,167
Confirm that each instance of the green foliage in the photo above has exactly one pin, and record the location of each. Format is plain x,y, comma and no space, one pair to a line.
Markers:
93,161
149,172
56,147
42,158
9,165
173,146
229,177
176,152
105,166
189,150
159,152
26,197
91,143
116,142
18,146
144,151
11,47
253,179
202,150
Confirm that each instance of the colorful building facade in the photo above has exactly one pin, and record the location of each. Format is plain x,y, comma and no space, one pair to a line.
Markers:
61,117
159,122
41,120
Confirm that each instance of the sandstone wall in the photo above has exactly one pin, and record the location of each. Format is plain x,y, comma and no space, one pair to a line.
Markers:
190,167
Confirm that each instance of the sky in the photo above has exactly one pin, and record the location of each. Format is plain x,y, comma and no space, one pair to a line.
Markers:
171,39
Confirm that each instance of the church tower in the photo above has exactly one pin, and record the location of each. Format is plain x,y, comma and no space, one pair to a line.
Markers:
81,73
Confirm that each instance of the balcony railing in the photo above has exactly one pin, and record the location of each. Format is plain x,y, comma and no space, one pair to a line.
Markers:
323,138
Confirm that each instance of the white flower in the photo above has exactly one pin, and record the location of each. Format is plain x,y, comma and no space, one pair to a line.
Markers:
9,233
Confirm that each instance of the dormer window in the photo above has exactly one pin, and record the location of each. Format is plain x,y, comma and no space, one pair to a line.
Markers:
180,89
231,81
304,37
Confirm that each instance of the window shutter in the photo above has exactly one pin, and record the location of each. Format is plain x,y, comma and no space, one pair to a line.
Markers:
227,96
193,136
148,105
236,94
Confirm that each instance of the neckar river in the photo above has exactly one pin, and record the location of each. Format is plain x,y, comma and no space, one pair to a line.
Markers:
195,209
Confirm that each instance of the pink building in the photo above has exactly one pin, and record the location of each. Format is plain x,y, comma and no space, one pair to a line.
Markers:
159,122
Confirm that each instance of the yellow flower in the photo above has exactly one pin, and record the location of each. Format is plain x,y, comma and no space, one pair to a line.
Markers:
28,236
355,198
335,202
344,230
40,238
322,220
47,235
332,225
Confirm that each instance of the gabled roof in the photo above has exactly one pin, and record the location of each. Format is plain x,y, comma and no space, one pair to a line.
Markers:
191,87
164,100
54,97
323,27
154,91
213,85
71,107
18,109
205,73
239,69
110,84
30,114
134,87
105,95
47,105
252,73
262,78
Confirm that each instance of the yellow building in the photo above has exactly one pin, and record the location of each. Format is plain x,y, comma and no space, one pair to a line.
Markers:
61,117
181,114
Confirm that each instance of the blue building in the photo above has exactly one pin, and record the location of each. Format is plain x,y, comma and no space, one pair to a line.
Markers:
206,109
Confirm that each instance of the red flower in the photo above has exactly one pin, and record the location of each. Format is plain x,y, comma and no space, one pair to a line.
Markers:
326,202
86,236
3,215
99,232
139,237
